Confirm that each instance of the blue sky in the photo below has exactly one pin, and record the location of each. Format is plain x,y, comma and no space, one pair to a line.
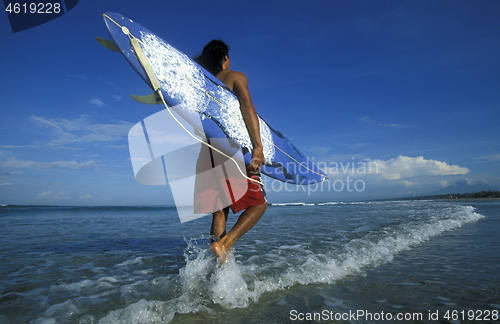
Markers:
407,92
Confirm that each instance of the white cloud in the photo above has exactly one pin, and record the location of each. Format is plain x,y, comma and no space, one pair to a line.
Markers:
19,146
406,167
488,158
49,195
393,125
118,147
410,184
14,163
366,119
66,131
466,181
444,183
97,102
398,168
370,120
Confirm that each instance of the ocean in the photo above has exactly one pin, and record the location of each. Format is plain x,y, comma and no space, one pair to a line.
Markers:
352,262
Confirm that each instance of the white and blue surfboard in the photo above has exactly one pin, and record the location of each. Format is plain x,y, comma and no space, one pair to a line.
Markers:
191,90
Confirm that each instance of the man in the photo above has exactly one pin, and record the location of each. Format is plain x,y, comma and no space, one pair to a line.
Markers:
215,58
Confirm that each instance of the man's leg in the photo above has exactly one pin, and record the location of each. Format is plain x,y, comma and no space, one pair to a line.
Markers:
246,221
219,219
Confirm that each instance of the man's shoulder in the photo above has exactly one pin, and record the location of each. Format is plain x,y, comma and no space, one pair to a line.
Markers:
237,77
234,74
233,79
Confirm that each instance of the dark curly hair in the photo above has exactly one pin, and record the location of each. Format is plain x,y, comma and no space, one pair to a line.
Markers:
212,56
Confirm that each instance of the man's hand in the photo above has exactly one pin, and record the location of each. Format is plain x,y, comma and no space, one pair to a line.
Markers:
257,159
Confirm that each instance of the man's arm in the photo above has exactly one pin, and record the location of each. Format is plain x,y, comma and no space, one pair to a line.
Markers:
240,87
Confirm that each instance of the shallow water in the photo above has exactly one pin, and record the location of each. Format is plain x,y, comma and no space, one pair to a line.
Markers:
140,265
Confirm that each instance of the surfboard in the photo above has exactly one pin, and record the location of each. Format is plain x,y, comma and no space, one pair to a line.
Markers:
202,100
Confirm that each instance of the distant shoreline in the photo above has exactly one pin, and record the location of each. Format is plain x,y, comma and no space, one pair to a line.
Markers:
445,198
473,199
481,195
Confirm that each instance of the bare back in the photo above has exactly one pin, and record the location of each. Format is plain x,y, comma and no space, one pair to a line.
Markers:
228,77
238,82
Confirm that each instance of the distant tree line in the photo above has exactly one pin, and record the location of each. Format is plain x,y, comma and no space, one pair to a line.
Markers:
472,195
480,194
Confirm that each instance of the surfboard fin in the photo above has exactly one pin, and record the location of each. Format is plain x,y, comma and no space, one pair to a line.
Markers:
152,99
108,44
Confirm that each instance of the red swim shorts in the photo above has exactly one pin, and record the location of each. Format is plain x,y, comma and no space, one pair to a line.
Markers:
254,196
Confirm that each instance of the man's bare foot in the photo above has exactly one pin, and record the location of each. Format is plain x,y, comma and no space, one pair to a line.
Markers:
220,250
